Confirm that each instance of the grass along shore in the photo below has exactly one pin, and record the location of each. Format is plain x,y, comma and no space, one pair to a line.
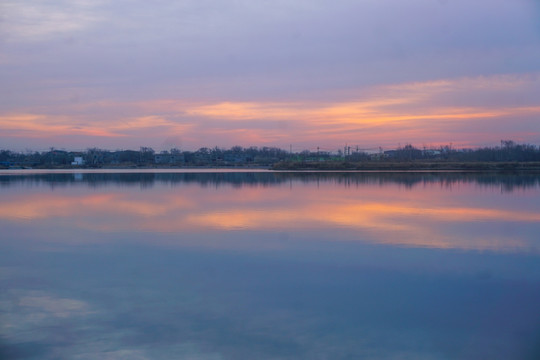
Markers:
408,166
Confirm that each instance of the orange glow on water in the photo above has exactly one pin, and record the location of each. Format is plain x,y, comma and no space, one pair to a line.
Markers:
425,217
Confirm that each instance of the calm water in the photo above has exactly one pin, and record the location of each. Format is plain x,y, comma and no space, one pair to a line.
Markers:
269,266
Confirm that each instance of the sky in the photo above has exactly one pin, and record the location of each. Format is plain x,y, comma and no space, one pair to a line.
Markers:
304,74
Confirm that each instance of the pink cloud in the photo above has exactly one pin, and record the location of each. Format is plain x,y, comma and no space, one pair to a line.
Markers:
434,112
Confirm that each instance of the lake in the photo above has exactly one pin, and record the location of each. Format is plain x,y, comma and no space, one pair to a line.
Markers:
269,265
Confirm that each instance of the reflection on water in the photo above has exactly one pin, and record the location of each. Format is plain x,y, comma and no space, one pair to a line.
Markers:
432,210
506,182
269,265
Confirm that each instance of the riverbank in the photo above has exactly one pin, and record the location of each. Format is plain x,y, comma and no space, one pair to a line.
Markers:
407,166
318,166
133,167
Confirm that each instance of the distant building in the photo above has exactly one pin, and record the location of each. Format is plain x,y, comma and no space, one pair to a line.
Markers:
78,161
431,152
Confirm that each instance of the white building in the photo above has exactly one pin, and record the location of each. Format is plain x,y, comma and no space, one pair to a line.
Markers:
78,160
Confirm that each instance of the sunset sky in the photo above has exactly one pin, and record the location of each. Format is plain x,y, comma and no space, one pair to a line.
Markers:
123,74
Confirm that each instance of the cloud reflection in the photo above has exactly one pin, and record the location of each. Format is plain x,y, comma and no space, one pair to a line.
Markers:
427,217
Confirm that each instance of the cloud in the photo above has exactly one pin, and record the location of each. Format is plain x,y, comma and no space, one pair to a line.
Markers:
435,112
131,73
241,49
43,20
39,125
63,128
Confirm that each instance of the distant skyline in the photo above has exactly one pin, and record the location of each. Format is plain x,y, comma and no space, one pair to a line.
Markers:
124,74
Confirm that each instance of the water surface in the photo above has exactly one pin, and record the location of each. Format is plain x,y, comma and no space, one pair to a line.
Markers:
262,265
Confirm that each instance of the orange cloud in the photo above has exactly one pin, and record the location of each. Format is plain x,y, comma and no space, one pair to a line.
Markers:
40,125
378,115
36,125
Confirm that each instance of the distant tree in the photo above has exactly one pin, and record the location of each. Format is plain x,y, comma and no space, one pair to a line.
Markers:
146,155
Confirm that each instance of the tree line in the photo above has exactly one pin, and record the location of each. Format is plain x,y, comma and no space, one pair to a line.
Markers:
507,151
144,157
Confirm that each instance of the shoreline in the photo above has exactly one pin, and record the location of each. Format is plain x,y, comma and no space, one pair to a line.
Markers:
514,166
490,167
